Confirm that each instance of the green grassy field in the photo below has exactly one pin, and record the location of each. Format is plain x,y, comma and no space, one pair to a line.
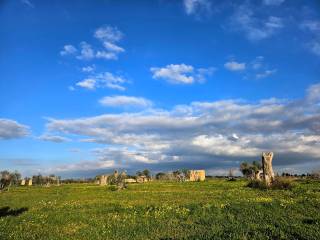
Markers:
215,209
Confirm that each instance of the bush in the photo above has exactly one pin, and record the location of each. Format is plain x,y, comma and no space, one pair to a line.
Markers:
232,179
113,188
280,183
257,184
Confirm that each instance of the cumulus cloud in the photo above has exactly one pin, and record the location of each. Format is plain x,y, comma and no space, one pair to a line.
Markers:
254,25
311,25
10,129
255,69
125,101
196,7
235,66
103,80
313,28
88,69
266,73
181,73
108,37
205,134
86,52
88,83
52,138
80,166
68,50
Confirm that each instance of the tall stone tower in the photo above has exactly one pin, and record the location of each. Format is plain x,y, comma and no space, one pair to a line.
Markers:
268,174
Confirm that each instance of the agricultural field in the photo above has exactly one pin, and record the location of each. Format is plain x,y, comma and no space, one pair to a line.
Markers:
214,209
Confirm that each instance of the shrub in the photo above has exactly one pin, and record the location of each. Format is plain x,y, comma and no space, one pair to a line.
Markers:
257,184
113,188
282,183
232,179
279,183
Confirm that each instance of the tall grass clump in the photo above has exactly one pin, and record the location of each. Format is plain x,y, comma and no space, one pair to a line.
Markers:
279,183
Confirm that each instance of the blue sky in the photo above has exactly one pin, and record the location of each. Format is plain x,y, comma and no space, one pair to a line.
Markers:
91,86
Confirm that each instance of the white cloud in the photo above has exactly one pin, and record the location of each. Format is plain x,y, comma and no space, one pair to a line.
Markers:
266,73
273,2
313,27
112,47
88,69
194,7
108,33
88,83
82,165
253,24
315,46
103,80
235,66
10,129
108,37
68,50
86,52
52,138
257,63
221,145
107,55
205,134
181,73
125,101
313,93
255,69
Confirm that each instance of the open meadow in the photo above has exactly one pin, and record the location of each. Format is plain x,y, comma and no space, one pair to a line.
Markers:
214,209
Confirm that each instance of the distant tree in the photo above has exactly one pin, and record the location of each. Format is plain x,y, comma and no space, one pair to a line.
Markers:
118,179
176,173
15,178
251,170
160,175
179,175
38,179
146,172
8,179
186,172
139,173
5,180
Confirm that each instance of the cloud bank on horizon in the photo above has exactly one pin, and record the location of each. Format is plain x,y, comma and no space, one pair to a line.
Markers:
207,95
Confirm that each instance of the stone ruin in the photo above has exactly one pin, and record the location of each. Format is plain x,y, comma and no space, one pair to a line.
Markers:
142,179
268,174
26,182
197,175
103,180
23,182
30,182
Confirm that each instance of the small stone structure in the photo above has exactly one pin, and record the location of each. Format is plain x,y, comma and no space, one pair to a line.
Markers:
197,175
142,179
103,180
130,180
258,174
268,174
30,182
23,182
